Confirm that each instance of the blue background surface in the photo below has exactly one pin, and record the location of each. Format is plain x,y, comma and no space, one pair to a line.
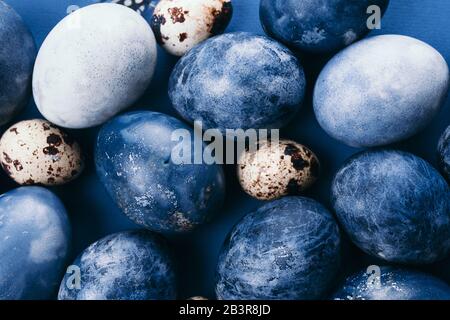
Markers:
92,213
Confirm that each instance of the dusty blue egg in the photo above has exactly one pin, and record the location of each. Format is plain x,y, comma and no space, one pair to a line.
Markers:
380,90
238,80
17,56
319,26
133,265
134,159
444,153
394,206
287,249
35,235
393,284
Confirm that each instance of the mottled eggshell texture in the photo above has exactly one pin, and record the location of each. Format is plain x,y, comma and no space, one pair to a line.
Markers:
35,240
380,90
444,153
179,25
395,284
96,62
132,265
17,54
238,80
277,169
38,152
287,249
319,26
394,206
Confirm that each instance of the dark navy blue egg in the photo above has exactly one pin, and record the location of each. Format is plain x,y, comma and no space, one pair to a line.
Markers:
287,249
393,284
319,26
133,265
134,161
394,206
238,80
34,243
444,153
17,55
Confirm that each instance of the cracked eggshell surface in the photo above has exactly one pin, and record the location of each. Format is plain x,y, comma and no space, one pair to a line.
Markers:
318,26
17,54
38,152
277,169
179,25
95,63
137,162
35,239
381,90
131,265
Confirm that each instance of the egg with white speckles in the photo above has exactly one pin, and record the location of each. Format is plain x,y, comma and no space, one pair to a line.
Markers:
17,55
132,265
320,26
38,152
95,63
137,161
444,153
35,240
277,169
179,25
381,90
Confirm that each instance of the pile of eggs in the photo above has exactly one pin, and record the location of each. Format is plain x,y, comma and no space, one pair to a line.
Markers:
99,60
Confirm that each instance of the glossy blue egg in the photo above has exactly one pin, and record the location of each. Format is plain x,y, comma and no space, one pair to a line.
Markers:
319,26
133,265
17,55
134,161
393,284
238,81
394,206
444,153
35,236
286,250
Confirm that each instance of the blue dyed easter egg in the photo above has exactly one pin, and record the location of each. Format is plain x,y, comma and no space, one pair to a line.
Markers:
380,90
238,80
319,26
95,63
17,54
287,249
444,153
133,265
35,235
134,161
393,284
394,206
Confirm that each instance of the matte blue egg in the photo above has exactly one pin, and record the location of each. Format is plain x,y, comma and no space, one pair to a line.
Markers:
393,284
394,206
134,162
287,249
17,55
444,153
238,80
133,265
380,90
35,235
318,26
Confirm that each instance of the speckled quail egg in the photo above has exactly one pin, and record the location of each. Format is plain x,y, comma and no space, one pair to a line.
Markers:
275,170
38,152
179,25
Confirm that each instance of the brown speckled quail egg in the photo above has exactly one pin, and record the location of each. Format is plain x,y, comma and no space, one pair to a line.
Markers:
277,170
179,25
38,152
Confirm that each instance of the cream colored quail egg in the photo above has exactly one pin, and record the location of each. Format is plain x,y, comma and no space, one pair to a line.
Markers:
38,152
